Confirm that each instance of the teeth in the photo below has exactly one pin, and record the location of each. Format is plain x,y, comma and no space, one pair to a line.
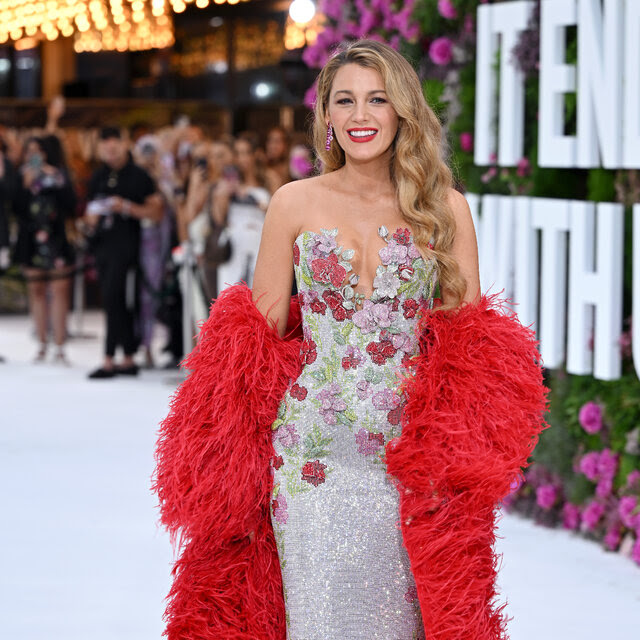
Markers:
362,134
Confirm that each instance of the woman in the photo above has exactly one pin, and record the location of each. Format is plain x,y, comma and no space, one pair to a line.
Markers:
240,202
291,526
277,155
45,200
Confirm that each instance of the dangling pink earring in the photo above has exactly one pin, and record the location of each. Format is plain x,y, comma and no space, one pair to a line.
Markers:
329,137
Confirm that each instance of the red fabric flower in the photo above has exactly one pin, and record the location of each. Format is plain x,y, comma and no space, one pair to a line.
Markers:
278,461
401,236
394,416
313,472
308,352
407,360
296,254
410,307
328,270
395,304
298,392
348,362
381,351
378,437
333,299
339,314
317,306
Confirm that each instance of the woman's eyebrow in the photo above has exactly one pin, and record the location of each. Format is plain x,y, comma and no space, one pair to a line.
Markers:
351,92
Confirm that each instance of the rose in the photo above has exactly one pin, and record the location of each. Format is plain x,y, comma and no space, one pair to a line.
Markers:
313,472
590,417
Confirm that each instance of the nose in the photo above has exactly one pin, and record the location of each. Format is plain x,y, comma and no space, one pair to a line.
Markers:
361,111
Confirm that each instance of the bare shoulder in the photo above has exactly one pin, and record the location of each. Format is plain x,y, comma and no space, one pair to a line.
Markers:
465,246
460,209
290,203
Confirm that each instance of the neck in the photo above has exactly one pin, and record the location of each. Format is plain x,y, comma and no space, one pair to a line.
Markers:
371,178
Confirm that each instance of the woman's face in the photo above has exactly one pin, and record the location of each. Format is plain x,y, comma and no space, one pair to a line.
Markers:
276,145
364,121
244,157
220,156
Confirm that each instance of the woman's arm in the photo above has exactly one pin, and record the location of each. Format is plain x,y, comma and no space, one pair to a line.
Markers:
465,247
273,275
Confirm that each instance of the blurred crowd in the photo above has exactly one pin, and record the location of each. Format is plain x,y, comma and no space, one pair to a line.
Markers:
167,218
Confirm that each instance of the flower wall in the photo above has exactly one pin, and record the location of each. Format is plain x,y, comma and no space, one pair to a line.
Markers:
585,473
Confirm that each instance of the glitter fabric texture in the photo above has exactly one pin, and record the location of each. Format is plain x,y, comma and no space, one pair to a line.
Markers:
334,510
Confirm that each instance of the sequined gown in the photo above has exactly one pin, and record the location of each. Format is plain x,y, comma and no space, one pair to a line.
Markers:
334,511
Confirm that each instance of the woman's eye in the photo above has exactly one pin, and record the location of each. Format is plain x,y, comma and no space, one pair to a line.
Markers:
378,100
344,100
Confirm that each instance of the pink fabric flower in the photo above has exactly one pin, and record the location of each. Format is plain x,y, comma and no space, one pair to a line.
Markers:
546,496
441,51
369,443
590,417
279,506
466,141
570,516
591,515
447,10
287,435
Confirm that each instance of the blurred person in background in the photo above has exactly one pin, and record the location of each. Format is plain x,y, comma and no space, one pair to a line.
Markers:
7,190
277,158
120,195
155,239
240,202
43,202
211,161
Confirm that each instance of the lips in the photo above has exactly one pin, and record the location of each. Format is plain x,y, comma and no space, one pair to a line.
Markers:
364,134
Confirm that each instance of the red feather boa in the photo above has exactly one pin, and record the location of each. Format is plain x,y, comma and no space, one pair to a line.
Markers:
475,406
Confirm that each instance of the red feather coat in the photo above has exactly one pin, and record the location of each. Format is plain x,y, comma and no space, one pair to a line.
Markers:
475,405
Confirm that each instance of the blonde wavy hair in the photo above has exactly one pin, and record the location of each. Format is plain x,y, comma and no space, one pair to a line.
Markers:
421,177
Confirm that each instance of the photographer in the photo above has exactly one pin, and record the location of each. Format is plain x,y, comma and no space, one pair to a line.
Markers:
120,195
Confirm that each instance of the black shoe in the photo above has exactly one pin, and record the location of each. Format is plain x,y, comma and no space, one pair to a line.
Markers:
127,371
102,373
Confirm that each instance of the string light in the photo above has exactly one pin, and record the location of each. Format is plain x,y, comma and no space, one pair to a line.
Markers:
96,25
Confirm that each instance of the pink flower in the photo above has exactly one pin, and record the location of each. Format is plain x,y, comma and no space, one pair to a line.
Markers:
604,488
279,506
310,97
546,496
287,435
570,516
491,173
591,515
466,141
612,538
626,507
588,465
524,167
385,400
633,478
607,464
635,552
447,10
441,51
590,417
369,443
